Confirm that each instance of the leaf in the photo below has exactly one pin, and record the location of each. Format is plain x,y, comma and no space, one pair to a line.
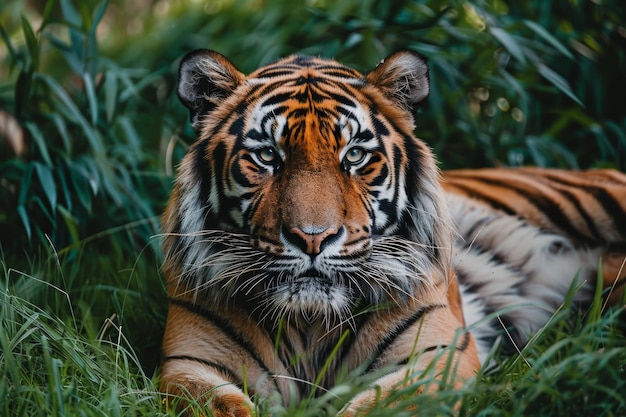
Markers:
110,94
98,15
59,122
130,133
40,141
79,177
557,81
70,222
91,98
85,17
63,184
134,89
56,42
543,33
7,41
47,11
618,131
112,184
90,131
31,43
74,24
69,13
46,179
533,143
509,43
23,87
21,211
25,185
44,209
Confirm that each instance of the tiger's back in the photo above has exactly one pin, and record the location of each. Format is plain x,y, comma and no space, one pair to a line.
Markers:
309,236
526,234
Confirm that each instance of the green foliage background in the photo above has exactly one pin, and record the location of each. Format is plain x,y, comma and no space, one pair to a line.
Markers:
91,85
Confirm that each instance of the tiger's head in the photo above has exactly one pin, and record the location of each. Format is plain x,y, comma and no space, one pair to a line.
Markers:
307,194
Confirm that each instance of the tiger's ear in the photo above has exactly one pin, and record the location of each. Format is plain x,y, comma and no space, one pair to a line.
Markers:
205,78
403,77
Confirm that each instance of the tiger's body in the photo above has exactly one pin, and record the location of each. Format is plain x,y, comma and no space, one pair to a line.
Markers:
525,235
310,235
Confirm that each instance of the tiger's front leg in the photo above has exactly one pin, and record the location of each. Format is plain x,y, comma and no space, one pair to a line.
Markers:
189,385
438,351
427,366
201,366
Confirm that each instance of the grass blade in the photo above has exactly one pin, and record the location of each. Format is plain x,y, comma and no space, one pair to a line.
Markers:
46,179
509,43
91,97
40,141
31,43
545,35
557,81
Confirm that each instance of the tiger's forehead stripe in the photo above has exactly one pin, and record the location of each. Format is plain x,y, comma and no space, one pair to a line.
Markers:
253,81
297,66
307,91
295,62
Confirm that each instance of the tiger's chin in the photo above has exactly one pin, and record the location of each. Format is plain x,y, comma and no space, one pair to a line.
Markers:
311,299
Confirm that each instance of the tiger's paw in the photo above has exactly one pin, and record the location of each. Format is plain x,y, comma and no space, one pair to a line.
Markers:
231,405
359,405
222,401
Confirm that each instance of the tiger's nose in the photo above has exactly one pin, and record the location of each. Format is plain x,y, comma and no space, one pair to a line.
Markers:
312,239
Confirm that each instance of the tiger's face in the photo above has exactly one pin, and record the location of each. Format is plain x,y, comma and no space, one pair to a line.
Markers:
306,194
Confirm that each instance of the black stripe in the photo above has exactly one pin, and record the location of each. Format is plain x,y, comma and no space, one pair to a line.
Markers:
340,98
474,193
543,204
464,343
229,373
225,327
276,72
612,207
460,348
276,98
203,169
609,204
338,70
398,331
591,225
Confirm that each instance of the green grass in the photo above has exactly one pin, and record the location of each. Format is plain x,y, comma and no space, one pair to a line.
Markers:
82,338
79,337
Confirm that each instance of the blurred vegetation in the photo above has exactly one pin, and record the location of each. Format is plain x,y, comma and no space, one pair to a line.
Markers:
91,85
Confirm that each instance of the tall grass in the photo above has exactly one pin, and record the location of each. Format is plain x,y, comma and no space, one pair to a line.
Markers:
63,355
66,350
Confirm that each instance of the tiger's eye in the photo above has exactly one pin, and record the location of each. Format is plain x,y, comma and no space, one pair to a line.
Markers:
355,155
267,155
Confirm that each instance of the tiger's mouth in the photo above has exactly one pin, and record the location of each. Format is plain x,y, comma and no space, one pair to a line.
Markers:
231,268
313,274
312,294
311,278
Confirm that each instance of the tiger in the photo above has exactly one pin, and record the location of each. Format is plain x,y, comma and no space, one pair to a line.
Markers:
311,235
